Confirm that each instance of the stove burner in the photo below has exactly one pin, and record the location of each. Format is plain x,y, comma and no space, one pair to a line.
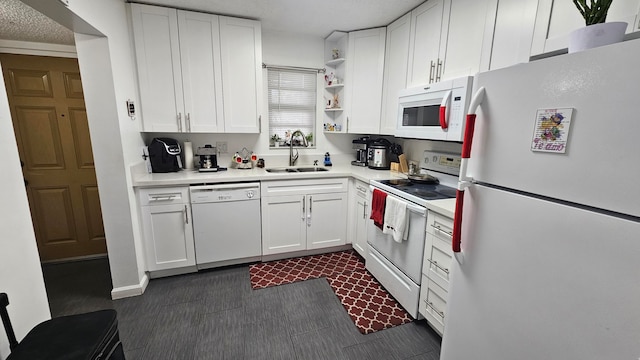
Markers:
425,193
448,192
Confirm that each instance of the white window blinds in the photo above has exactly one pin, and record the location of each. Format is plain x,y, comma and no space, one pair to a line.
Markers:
292,102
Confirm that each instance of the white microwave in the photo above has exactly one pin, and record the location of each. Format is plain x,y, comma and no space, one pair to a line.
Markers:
435,111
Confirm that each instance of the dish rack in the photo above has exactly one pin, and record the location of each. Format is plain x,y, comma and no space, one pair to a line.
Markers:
244,159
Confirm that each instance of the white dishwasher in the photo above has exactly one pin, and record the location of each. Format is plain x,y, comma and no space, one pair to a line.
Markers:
226,223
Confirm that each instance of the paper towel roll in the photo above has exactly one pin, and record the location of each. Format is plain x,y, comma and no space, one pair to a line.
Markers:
188,155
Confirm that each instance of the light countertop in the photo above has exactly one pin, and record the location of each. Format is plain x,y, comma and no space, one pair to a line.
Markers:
445,207
188,177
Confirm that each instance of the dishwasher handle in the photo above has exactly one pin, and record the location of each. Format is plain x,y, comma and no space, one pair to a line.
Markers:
231,186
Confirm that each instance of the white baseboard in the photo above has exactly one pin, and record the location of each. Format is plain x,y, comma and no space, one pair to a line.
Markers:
132,290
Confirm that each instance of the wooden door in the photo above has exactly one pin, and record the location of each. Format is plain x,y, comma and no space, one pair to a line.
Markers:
52,132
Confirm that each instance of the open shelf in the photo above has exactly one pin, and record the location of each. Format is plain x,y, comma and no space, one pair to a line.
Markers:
335,62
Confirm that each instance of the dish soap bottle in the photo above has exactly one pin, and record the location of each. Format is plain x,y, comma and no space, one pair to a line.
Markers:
327,159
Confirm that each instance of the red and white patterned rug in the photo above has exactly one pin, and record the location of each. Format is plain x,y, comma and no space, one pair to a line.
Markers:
368,304
303,268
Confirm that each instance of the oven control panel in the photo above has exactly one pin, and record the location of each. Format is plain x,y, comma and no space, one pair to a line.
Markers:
448,163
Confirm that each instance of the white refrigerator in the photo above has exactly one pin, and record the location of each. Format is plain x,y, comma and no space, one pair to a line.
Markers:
549,266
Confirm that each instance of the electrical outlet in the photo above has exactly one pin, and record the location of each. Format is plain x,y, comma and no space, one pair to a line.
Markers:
221,146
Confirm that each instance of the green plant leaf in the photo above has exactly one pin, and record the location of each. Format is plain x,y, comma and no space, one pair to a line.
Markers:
595,12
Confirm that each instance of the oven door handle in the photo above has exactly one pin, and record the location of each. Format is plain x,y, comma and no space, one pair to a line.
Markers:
422,211
417,209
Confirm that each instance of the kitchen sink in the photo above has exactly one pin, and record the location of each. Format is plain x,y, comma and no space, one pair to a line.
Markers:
299,169
280,170
311,169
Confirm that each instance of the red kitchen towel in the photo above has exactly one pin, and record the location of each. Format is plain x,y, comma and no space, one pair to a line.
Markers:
378,203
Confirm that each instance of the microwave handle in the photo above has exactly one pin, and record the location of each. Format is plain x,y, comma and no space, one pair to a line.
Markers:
444,106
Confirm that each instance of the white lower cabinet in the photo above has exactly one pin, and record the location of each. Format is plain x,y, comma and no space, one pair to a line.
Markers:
436,270
303,215
167,228
359,215
433,304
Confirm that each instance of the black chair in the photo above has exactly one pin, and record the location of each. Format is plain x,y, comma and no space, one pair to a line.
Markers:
89,336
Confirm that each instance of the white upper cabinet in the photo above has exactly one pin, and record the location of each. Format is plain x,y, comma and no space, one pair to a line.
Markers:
160,76
556,19
449,39
201,71
363,83
241,49
396,59
513,31
197,72
424,42
468,40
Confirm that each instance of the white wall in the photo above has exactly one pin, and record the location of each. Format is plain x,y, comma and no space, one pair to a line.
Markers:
108,77
20,271
283,49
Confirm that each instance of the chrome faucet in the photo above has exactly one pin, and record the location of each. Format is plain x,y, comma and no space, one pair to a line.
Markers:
292,158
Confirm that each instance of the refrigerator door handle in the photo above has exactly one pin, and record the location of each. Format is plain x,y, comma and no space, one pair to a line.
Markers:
465,180
457,222
446,101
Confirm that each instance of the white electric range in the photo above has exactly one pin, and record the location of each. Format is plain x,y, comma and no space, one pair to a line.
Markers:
398,265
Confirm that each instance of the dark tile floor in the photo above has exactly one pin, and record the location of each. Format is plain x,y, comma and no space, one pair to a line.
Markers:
215,314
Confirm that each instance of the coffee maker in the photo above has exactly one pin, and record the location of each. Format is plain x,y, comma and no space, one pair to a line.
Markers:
360,145
208,158
164,155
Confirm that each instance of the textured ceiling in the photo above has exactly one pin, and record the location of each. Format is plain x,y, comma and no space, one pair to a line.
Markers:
310,17
21,22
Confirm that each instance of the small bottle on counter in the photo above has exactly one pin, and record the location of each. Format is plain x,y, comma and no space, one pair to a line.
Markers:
327,159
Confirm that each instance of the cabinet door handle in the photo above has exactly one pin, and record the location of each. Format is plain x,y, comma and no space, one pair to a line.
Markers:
435,263
347,129
439,70
186,215
188,122
161,198
364,211
441,313
310,208
179,122
438,228
431,68
259,124
304,208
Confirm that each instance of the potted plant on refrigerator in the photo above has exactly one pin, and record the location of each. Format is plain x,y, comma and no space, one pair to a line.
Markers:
597,32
